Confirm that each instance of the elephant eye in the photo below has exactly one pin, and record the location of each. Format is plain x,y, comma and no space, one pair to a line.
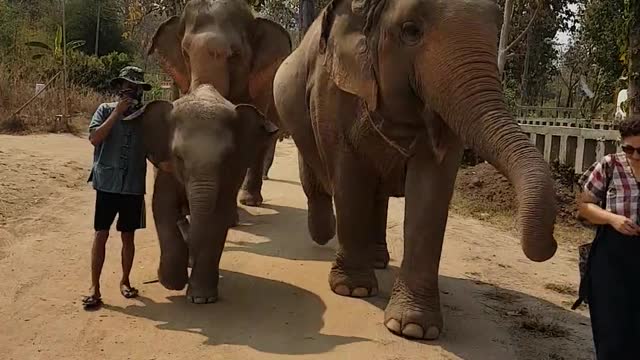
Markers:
411,33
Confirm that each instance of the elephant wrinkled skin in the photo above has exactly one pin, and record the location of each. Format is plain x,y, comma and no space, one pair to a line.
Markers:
380,97
221,43
209,142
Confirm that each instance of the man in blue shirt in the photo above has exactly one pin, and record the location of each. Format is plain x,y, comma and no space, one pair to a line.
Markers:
118,176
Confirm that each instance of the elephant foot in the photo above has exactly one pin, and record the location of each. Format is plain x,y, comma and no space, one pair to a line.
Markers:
173,276
415,316
202,296
250,199
358,283
321,223
382,257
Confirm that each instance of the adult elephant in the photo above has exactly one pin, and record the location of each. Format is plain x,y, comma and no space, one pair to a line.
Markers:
221,43
380,97
210,142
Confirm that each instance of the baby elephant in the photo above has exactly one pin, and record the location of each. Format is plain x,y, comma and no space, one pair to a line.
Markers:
210,142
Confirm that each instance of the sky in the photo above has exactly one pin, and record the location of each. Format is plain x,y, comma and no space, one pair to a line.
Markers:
562,38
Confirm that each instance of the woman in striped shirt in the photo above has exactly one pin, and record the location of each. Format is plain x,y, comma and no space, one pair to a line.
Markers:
610,199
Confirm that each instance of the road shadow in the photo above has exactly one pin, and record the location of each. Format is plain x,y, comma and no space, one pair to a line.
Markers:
286,234
283,181
266,315
536,328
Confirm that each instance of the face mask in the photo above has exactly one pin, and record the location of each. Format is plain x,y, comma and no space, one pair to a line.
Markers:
135,94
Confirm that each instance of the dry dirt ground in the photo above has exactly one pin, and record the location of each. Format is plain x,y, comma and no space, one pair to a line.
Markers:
275,301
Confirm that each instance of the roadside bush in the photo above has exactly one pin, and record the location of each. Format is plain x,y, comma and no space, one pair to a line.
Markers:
87,71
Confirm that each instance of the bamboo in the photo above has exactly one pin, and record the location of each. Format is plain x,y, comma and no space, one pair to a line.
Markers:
64,62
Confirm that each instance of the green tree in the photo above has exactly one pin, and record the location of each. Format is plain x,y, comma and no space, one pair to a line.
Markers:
54,50
82,20
532,56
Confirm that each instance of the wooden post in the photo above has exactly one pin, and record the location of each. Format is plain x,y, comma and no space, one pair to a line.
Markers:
547,147
579,155
563,149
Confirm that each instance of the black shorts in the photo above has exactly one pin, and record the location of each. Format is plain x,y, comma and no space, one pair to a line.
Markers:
129,208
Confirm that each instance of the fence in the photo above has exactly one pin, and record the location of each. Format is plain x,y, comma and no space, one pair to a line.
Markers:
559,116
576,147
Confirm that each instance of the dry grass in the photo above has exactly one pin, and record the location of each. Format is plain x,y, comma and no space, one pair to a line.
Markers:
536,324
564,289
42,115
568,235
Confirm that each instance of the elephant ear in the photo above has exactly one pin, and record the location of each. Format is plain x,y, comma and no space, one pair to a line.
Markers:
254,118
167,43
156,130
271,44
348,53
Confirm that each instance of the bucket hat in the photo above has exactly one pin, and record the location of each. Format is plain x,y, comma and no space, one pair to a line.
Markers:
132,74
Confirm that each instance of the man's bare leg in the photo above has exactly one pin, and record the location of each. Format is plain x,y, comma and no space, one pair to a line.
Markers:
128,253
97,261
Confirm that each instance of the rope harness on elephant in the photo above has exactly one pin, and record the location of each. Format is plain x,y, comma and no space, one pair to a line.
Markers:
377,122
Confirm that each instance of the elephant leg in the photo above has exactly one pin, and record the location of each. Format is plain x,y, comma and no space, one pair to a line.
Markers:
379,232
414,308
269,156
352,273
320,218
203,282
250,192
167,212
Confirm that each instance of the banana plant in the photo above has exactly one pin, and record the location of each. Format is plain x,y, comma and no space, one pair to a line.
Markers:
56,49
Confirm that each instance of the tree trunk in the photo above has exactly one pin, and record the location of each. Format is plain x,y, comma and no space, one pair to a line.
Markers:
504,35
525,74
634,64
97,47
306,15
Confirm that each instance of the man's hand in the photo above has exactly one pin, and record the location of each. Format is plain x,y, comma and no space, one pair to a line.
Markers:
624,225
98,135
123,105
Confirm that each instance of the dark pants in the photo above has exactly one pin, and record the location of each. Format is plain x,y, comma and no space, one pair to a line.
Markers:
129,208
614,304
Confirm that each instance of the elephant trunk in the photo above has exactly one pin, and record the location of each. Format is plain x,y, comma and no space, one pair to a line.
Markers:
202,197
215,73
209,62
466,90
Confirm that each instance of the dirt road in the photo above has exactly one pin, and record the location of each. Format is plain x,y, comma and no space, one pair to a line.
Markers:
275,302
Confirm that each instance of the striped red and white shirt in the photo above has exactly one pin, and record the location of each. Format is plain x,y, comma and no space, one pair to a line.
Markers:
623,193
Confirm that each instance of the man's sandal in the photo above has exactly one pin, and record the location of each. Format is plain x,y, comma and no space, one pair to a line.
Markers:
91,302
128,291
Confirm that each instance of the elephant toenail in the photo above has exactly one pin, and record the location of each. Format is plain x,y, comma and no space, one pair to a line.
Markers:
394,326
413,331
432,333
360,292
342,290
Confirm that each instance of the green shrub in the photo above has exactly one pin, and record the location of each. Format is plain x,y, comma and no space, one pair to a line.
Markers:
84,70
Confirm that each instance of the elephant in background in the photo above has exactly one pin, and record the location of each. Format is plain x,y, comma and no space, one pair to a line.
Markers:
209,142
380,97
221,43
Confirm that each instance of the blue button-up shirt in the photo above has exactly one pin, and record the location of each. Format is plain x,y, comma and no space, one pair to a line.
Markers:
119,162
